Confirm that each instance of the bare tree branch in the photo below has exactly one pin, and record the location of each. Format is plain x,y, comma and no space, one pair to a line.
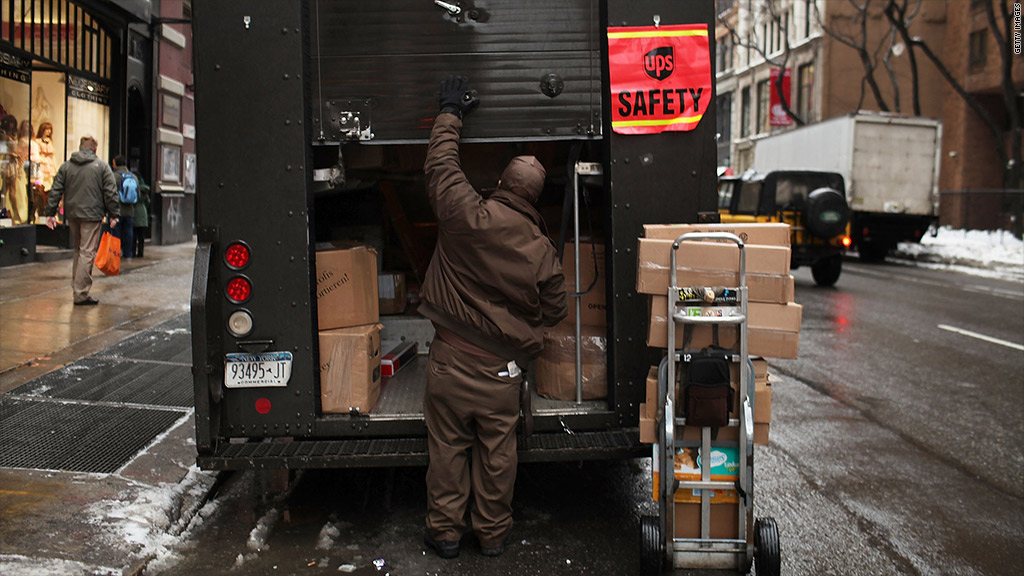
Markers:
858,43
753,44
967,97
897,15
1013,173
887,60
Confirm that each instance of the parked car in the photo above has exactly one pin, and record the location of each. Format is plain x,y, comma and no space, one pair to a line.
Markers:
812,203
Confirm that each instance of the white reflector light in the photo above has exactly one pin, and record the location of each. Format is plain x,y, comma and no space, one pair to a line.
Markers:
240,323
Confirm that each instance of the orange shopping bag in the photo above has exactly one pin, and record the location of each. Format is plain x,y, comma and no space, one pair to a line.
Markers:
108,257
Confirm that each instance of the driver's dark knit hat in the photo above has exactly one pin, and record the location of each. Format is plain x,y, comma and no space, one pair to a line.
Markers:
524,176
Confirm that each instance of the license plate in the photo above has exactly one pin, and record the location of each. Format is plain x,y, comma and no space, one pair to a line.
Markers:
266,369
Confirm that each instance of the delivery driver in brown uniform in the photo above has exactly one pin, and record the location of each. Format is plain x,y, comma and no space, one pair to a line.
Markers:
493,284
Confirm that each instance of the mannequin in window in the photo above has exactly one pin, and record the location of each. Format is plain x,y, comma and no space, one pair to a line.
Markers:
46,165
15,180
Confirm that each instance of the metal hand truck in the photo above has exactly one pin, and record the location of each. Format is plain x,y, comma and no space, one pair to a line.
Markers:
659,546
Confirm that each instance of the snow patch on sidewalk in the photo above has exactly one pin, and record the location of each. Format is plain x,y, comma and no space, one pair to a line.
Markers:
995,254
151,519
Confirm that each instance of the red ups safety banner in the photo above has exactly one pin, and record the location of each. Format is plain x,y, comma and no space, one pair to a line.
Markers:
660,77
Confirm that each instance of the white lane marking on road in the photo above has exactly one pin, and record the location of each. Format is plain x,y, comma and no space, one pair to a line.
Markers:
995,291
963,332
975,288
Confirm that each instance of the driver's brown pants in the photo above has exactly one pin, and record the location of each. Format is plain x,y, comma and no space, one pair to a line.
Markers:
468,406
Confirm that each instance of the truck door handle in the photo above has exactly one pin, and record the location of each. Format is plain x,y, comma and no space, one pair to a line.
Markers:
452,9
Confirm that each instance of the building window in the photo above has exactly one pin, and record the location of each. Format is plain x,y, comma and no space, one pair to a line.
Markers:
808,7
724,115
59,31
745,112
976,53
784,32
724,53
762,106
190,173
171,115
805,83
170,163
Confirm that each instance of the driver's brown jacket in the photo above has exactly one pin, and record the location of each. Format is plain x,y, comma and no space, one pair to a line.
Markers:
494,279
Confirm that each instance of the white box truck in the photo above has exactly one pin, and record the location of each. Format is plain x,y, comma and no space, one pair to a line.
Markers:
890,165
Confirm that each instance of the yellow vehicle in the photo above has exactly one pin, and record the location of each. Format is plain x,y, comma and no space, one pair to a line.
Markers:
812,203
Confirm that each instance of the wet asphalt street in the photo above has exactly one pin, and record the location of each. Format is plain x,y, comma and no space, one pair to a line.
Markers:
895,449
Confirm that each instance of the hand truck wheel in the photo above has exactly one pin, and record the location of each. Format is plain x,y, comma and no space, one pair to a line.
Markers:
650,546
767,557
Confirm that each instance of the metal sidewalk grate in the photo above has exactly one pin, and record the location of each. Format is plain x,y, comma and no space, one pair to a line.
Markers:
170,341
109,380
51,435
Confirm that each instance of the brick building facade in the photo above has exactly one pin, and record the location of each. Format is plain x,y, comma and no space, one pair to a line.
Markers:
814,37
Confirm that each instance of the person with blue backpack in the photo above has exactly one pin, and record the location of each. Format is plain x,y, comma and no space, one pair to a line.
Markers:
128,193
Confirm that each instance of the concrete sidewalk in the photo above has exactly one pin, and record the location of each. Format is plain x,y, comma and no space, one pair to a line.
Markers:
89,372
41,330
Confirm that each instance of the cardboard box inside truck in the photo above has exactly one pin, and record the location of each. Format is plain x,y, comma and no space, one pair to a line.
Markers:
346,286
350,374
556,366
593,304
391,297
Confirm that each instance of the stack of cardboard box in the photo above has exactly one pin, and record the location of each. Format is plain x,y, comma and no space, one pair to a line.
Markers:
773,319
348,315
773,330
556,366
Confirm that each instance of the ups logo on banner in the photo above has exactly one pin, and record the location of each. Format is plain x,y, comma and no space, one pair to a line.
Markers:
658,63
670,88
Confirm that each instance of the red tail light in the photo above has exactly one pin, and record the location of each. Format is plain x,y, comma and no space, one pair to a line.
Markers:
263,405
239,289
237,255
847,242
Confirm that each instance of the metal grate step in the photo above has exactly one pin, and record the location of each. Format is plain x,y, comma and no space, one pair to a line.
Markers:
49,435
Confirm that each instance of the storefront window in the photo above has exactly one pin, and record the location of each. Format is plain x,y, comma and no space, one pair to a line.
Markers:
15,95
170,164
88,114
48,151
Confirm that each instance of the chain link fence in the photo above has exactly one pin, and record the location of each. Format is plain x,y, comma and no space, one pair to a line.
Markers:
993,209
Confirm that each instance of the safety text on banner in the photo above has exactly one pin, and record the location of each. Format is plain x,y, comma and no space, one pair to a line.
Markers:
660,77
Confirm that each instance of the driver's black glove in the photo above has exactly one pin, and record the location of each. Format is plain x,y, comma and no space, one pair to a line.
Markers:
456,97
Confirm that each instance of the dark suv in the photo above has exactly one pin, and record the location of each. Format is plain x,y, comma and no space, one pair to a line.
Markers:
812,203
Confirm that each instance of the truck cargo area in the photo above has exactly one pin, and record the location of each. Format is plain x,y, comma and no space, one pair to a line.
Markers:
323,145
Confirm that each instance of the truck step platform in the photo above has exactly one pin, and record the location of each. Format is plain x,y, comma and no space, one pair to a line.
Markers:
383,452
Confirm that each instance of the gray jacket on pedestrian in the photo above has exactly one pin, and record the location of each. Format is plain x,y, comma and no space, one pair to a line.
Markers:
87,185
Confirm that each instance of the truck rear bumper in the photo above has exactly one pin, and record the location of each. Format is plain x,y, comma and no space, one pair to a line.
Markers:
387,452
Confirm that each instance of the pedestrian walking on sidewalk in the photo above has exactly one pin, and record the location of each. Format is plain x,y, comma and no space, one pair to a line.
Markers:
86,184
493,284
141,217
128,193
